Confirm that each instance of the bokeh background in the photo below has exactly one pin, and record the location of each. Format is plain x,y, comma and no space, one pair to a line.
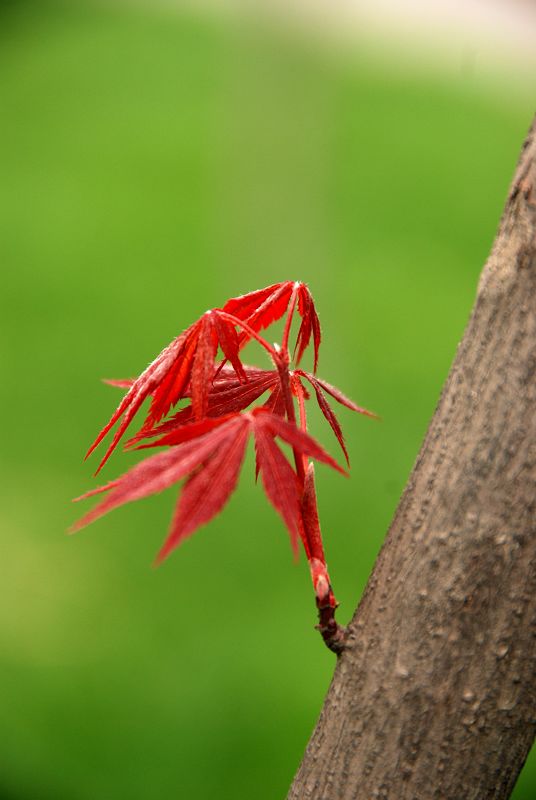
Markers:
156,160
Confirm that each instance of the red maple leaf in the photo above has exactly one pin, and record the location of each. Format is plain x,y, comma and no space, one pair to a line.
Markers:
321,388
205,440
227,395
210,453
310,324
187,361
262,307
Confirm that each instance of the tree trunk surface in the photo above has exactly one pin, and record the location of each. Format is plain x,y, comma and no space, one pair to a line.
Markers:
434,695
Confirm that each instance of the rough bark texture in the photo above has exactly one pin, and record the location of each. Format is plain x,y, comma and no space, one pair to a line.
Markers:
434,695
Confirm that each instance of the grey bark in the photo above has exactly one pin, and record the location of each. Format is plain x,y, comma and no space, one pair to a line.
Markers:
434,695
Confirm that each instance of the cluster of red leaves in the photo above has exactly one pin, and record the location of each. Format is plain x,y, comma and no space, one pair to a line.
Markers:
205,441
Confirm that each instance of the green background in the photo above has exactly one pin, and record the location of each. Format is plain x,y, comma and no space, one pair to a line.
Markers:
153,165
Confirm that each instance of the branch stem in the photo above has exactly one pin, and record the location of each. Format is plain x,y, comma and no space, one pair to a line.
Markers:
284,378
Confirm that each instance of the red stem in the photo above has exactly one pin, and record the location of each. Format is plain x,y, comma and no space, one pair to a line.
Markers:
284,380
303,414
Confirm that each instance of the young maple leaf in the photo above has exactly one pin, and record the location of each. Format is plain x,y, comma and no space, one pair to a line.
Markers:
321,387
210,453
265,306
187,361
227,395
309,324
260,308
276,401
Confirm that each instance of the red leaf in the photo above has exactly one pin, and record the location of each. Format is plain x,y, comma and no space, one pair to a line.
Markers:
337,394
226,397
203,366
317,335
247,305
208,490
310,324
192,430
229,343
276,402
187,362
128,407
304,332
211,452
261,308
226,377
279,480
173,383
145,385
329,415
297,438
182,418
161,470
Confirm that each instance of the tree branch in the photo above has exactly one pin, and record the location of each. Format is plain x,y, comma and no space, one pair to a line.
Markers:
434,695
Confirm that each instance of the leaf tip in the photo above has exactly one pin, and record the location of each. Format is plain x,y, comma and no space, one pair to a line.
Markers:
76,526
161,556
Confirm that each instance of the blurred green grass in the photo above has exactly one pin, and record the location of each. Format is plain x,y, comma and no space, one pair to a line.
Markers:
152,166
